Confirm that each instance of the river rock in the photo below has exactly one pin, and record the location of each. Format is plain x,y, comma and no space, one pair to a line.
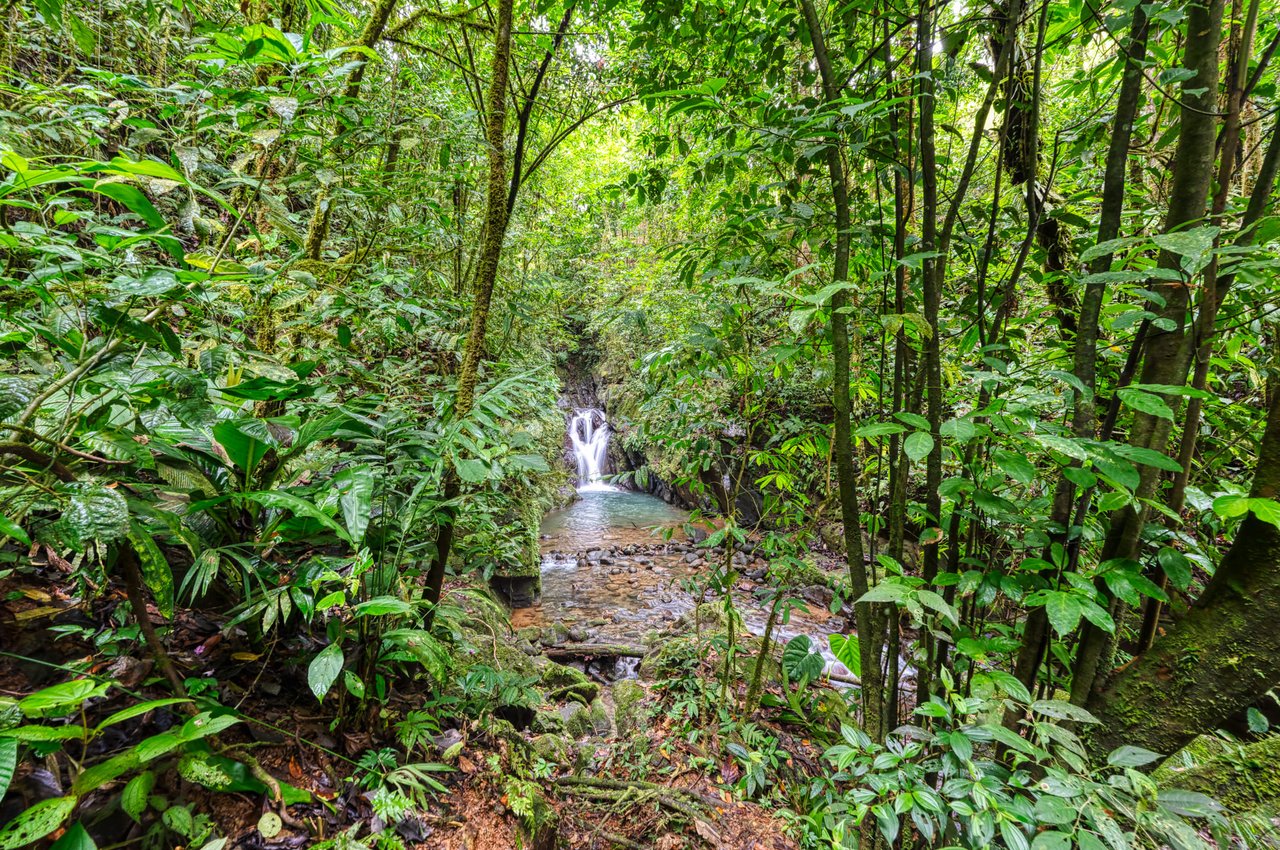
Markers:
755,575
555,635
595,555
599,718
552,748
817,594
691,558
578,633
837,624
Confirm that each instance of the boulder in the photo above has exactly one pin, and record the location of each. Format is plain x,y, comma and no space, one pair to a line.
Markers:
628,715
575,719
568,683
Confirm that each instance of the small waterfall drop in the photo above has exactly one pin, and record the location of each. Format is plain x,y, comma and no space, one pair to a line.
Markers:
589,433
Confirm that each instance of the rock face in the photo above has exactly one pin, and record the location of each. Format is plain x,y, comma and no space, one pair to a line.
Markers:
517,591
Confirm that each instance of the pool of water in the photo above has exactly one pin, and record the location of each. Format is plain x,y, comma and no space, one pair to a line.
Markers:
603,516
606,564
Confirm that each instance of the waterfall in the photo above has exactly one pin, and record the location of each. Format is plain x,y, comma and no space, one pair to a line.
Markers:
589,433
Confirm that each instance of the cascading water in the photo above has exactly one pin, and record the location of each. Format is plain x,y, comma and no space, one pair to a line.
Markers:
589,433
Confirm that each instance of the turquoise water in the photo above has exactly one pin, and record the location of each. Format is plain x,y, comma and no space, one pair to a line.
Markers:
605,517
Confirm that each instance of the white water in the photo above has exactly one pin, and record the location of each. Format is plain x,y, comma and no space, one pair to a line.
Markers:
589,433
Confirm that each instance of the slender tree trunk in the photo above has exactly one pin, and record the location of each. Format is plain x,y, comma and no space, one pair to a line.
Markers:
318,228
1084,412
1166,350
495,231
869,630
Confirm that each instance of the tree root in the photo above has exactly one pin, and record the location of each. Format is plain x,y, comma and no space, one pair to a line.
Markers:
632,793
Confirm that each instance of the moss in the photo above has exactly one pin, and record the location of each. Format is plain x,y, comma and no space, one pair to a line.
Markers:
553,748
562,682
599,717
628,715
1242,777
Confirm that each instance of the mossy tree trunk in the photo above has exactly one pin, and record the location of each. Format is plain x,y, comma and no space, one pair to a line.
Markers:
1223,655
497,215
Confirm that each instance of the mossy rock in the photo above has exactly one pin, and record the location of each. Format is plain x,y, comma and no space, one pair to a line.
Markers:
628,714
553,748
599,718
562,682
547,722
576,718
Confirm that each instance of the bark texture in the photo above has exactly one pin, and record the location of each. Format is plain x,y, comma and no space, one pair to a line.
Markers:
1222,655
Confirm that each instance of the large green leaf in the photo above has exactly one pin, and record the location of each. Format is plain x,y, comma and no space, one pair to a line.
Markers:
847,651
356,485
243,448
325,669
297,506
36,822
8,763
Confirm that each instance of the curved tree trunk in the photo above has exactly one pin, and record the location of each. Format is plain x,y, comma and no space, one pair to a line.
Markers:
1223,655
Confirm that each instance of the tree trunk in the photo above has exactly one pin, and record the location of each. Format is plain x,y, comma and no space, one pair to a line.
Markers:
846,473
495,231
1166,350
1223,655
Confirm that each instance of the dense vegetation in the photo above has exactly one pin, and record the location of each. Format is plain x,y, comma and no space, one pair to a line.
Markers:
975,300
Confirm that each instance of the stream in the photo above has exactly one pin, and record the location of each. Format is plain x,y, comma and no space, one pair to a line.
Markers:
607,569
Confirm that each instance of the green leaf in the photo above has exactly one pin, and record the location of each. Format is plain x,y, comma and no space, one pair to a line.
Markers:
1016,466
1052,839
155,568
1147,457
279,500
61,696
324,669
847,651
1145,402
8,763
885,592
799,660
137,710
380,605
76,837
1064,611
1188,803
1010,684
83,37
356,486
243,448
1130,756
960,430
918,445
134,798
471,470
936,603
1175,566
879,429
1062,711
11,529
1258,725
36,822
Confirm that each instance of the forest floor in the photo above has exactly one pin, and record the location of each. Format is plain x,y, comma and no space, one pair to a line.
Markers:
592,777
